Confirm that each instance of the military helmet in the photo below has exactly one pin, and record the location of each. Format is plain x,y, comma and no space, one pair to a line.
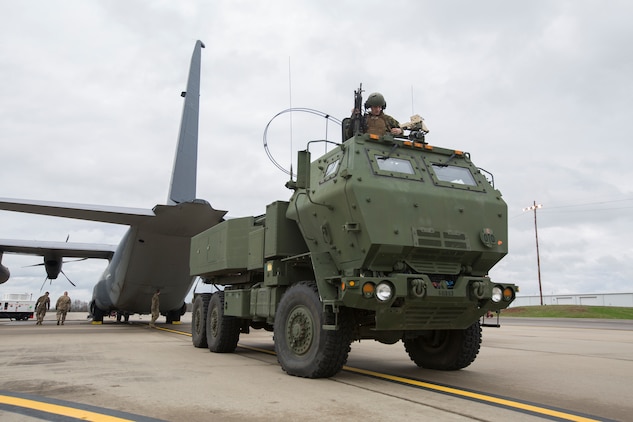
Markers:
376,99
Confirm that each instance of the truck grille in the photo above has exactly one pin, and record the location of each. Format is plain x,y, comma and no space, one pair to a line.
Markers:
432,317
428,237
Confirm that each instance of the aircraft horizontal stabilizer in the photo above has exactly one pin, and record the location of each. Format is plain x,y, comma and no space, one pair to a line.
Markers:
100,213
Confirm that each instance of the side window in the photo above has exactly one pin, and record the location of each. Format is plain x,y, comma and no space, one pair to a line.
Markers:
331,169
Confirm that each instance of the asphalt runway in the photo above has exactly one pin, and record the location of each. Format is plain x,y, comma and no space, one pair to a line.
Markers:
526,370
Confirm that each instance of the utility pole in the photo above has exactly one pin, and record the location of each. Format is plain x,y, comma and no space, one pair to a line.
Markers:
538,259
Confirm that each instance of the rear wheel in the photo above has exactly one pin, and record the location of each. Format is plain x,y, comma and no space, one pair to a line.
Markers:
447,350
303,347
223,332
199,320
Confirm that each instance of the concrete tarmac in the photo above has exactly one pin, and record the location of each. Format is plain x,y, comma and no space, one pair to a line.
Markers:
542,372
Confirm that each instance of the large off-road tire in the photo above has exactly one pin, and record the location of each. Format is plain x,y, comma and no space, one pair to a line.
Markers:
223,332
303,347
446,350
199,320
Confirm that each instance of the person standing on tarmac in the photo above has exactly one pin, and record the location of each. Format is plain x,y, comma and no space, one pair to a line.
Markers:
41,306
155,307
376,122
62,306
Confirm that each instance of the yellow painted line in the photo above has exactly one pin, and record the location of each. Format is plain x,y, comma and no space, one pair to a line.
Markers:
56,409
257,349
509,404
169,330
477,396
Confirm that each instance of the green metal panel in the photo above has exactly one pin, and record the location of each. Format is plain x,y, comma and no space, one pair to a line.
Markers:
222,248
237,303
263,302
283,237
256,249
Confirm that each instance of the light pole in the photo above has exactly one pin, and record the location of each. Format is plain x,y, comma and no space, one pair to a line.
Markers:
538,259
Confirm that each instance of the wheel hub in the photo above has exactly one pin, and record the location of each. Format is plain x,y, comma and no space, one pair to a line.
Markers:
299,331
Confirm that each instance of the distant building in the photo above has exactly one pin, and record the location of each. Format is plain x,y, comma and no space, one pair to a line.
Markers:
597,299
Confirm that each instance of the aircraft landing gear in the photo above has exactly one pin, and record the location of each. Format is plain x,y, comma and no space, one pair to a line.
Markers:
97,314
123,315
173,317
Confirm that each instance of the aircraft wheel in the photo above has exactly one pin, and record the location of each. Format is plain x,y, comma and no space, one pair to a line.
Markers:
303,347
199,320
446,350
97,314
223,332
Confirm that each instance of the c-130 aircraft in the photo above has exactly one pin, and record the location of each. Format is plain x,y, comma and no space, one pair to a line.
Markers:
154,252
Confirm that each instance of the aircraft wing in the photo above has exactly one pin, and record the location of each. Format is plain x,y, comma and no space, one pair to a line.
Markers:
101,213
65,249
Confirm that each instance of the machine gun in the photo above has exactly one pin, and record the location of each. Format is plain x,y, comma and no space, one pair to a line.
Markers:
357,116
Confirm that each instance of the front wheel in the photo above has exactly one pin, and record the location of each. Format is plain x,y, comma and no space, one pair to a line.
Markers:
303,347
446,350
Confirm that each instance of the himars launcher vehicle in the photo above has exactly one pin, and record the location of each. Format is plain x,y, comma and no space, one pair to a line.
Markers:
383,238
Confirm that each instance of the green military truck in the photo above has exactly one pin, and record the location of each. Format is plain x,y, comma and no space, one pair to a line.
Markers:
383,238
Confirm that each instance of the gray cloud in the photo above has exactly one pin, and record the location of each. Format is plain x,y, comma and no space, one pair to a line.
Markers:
539,93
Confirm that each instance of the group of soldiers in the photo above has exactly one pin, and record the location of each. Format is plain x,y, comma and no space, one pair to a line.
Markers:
62,306
44,303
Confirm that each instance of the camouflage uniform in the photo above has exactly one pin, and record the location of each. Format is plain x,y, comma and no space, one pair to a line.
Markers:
155,307
62,306
381,124
375,125
41,306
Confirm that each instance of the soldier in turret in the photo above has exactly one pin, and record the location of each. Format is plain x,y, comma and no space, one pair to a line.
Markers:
62,306
41,306
376,122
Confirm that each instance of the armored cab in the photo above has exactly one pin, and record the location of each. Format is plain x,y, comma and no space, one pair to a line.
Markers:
415,226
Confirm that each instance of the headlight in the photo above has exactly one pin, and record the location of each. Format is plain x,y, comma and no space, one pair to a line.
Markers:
384,291
497,294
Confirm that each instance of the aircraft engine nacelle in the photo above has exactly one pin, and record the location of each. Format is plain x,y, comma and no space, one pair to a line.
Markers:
53,267
4,274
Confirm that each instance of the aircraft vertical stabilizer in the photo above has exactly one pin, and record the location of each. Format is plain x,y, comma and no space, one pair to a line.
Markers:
183,177
154,252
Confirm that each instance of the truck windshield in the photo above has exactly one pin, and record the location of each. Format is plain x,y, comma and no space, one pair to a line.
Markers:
392,164
454,174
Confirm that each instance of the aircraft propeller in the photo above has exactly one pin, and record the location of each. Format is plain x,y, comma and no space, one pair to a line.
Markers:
53,265
51,280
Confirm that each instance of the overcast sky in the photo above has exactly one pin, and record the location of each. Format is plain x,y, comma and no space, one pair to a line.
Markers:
540,93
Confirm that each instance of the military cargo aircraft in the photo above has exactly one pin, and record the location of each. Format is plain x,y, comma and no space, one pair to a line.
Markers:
154,252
